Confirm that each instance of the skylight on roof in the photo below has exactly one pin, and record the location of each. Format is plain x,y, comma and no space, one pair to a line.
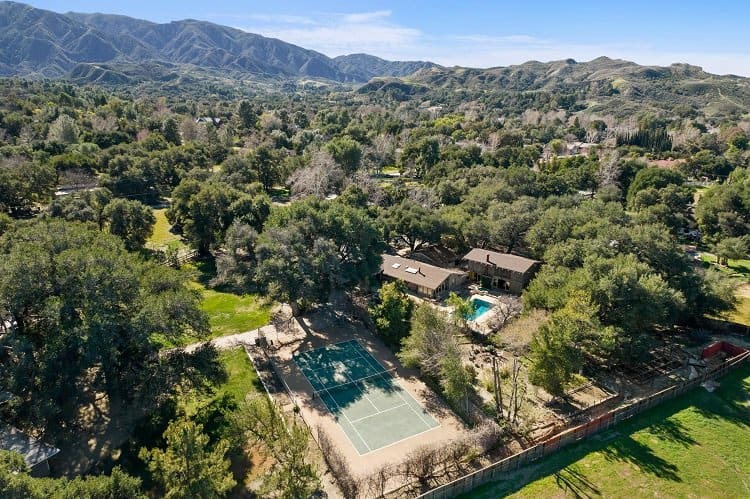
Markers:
411,270
396,265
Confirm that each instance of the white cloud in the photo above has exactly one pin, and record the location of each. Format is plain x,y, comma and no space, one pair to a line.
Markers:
376,33
363,17
270,19
337,34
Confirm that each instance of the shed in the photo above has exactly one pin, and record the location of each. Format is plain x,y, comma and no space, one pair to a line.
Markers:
35,453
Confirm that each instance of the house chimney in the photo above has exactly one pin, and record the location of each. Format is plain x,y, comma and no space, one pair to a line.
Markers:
488,258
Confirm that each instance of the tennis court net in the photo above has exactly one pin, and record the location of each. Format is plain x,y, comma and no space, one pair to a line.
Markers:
359,383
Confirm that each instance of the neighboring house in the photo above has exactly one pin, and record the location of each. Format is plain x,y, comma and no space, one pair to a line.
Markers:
422,278
35,453
500,270
209,119
569,149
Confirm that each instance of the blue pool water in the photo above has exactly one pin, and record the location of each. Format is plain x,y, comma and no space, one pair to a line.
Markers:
481,307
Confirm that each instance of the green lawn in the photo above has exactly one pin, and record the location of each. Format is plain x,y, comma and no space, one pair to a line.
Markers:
228,312
741,312
737,268
162,237
240,380
693,446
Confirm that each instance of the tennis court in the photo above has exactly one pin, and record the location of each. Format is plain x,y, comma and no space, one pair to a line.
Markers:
367,402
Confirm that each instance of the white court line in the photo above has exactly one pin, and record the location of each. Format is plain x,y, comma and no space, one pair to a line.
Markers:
364,394
412,408
384,371
371,357
378,413
325,347
399,441
335,418
350,423
399,385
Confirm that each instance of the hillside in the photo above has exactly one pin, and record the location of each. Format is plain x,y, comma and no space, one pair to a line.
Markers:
120,50
36,42
602,85
366,66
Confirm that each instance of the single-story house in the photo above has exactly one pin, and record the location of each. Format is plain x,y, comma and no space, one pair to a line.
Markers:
422,278
35,453
500,270
208,119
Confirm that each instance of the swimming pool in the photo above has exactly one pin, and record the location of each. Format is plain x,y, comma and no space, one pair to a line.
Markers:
481,307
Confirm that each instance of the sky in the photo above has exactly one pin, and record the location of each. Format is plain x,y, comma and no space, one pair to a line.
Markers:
708,33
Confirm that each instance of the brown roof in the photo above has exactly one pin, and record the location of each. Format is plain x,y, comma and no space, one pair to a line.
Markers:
502,260
419,273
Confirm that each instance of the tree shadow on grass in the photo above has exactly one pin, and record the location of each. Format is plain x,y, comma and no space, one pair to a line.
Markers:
571,480
734,394
728,402
203,270
673,431
641,456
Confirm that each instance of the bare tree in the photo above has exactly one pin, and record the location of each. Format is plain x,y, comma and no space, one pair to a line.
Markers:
350,486
516,335
517,390
188,130
321,178
508,309
368,185
609,170
498,387
382,152
377,482
105,123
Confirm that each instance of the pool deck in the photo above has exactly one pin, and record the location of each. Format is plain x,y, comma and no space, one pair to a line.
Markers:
480,322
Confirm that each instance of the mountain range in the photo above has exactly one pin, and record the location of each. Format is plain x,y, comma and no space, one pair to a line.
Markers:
112,48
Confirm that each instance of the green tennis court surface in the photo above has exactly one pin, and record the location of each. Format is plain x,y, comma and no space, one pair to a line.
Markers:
368,404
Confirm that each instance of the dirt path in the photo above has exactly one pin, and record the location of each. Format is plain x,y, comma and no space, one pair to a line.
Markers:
277,335
743,291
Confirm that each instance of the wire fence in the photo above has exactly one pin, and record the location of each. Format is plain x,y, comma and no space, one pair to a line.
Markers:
500,469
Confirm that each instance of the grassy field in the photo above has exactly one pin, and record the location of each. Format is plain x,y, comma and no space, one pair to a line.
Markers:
241,379
736,268
741,312
693,446
228,312
162,237
739,271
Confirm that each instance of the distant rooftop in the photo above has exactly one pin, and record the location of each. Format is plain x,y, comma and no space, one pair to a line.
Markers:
5,397
502,260
33,451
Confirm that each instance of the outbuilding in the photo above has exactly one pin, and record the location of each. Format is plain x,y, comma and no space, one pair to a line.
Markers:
35,453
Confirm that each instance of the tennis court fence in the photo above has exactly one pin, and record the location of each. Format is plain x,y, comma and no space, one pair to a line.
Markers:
500,469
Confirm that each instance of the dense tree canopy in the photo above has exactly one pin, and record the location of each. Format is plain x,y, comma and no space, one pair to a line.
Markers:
82,305
16,483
